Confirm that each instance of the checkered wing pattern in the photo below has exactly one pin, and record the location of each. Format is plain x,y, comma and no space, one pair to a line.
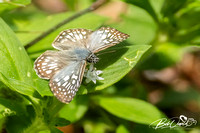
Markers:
71,38
50,62
105,37
66,82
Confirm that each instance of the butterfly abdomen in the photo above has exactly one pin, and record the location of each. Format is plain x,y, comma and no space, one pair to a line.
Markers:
81,53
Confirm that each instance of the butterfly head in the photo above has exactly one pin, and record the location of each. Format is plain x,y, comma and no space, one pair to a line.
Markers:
92,58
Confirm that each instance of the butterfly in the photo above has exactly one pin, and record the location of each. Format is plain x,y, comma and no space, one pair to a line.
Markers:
65,67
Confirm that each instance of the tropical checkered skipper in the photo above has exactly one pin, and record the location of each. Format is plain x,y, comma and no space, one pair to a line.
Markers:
65,68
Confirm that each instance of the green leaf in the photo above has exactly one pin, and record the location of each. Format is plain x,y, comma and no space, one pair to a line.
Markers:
77,5
6,5
188,24
16,68
11,107
60,122
130,109
139,25
83,4
35,26
172,51
116,65
17,124
95,127
170,7
2,121
173,98
75,110
188,20
43,87
71,4
55,130
17,85
145,4
45,131
122,129
165,55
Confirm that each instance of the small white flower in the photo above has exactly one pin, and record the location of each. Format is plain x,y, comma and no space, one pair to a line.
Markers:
92,74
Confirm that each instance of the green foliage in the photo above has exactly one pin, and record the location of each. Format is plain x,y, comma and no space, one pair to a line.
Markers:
146,5
19,76
23,80
171,7
52,20
76,5
75,110
160,33
124,59
7,5
143,28
130,109
122,129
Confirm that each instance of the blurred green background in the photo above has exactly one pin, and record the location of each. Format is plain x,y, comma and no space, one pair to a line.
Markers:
163,48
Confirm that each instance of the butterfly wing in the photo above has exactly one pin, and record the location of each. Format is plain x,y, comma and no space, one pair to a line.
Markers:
65,68
103,38
50,62
66,82
71,38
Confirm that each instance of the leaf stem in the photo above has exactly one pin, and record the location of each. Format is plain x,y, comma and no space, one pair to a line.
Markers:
37,125
93,7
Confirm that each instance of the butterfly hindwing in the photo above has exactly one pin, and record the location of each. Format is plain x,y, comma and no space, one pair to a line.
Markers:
105,37
71,38
66,82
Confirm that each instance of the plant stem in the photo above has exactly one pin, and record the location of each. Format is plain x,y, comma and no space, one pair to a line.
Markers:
37,125
93,7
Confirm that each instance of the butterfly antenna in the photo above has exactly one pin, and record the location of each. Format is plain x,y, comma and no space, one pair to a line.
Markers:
106,52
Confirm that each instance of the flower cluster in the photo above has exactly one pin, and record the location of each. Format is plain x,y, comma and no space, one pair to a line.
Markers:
92,74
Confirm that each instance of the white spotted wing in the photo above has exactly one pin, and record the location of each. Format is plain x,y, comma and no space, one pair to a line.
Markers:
66,82
50,62
103,38
71,38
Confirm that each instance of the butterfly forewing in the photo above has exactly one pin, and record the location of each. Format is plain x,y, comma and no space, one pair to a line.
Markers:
105,37
65,83
51,62
71,38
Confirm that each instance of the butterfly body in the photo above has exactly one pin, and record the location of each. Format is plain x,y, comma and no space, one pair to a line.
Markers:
92,58
65,67
81,53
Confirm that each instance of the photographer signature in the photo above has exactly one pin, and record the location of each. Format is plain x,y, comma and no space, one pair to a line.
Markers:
181,121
